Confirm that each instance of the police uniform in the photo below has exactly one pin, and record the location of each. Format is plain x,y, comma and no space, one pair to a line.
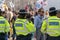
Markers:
23,29
4,28
51,27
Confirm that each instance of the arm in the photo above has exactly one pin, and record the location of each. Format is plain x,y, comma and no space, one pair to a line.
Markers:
43,28
7,26
32,27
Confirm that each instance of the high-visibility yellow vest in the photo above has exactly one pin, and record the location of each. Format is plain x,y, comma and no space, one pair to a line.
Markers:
52,26
4,25
23,27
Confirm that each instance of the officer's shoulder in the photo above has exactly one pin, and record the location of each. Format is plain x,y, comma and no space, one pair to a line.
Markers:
4,19
17,20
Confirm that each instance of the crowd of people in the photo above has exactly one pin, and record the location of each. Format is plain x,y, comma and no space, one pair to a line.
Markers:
26,25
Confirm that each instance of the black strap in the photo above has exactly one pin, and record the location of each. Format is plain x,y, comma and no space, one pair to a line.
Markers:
14,32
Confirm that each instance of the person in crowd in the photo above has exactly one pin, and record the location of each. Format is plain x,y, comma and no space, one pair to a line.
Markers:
31,12
4,26
9,15
58,13
23,28
51,26
15,15
38,22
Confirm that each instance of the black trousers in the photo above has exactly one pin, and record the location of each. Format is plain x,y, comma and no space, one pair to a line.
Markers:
2,36
52,38
22,37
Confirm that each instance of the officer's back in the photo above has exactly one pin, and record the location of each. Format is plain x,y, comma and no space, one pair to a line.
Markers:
51,26
4,26
22,26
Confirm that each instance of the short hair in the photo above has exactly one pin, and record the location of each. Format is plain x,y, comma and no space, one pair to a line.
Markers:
9,9
30,9
14,12
40,9
2,12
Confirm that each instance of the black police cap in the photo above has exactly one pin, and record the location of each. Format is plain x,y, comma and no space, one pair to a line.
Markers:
22,11
52,9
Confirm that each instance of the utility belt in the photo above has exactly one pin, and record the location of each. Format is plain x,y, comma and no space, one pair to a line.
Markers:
2,33
53,36
26,35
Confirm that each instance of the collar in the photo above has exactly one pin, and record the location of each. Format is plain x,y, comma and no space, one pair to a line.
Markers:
54,16
40,16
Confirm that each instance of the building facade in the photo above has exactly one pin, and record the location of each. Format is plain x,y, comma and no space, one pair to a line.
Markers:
19,4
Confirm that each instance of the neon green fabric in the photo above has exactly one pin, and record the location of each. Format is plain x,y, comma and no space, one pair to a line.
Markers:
23,27
52,26
4,25
31,27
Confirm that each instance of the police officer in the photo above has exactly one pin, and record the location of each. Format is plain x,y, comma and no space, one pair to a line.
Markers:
51,26
4,26
23,28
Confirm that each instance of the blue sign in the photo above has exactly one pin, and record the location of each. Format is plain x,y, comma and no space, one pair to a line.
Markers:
19,25
2,22
53,23
38,5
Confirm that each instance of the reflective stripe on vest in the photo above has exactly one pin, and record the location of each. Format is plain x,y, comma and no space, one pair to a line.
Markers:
25,29
1,31
52,28
2,25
